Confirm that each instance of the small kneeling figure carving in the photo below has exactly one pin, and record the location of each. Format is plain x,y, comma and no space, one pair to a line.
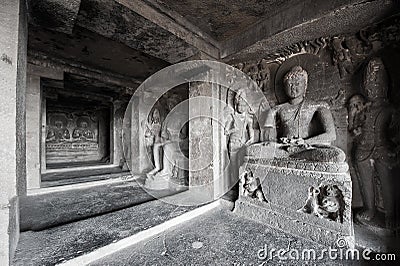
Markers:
252,186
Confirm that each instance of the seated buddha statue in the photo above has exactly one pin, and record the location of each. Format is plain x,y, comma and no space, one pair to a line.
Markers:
300,128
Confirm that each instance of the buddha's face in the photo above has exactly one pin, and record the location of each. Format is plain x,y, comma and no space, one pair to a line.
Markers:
58,124
84,125
295,86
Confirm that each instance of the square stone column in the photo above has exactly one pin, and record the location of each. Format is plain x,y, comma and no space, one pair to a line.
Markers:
33,131
36,122
13,32
205,140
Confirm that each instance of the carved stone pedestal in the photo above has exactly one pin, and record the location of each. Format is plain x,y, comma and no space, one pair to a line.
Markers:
307,199
162,181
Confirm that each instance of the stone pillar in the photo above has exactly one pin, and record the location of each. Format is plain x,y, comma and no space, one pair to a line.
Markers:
13,32
36,123
118,117
33,131
204,141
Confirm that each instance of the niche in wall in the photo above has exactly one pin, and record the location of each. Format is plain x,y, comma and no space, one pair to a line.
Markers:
78,131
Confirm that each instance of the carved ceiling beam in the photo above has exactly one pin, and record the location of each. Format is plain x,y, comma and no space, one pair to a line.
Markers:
57,15
175,24
40,59
306,20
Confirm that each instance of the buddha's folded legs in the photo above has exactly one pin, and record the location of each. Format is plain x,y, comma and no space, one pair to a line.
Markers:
320,153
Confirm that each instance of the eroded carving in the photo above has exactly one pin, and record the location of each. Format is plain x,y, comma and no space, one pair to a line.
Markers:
153,131
251,186
324,202
239,131
82,132
356,108
57,130
375,148
341,56
239,125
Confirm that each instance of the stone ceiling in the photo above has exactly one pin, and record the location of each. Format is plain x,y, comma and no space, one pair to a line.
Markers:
177,30
224,19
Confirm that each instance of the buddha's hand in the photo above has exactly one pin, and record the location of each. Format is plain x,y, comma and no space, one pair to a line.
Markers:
285,140
298,141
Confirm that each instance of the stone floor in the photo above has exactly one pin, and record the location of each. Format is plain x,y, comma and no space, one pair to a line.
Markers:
216,238
51,209
57,244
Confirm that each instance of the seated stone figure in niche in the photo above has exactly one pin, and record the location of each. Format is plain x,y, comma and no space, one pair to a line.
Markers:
58,131
375,147
166,152
300,128
82,131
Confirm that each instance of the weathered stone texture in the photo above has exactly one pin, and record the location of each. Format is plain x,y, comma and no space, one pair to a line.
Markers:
13,30
128,27
59,15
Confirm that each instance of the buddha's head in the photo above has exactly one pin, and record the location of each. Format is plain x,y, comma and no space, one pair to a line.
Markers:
295,82
82,122
375,80
58,124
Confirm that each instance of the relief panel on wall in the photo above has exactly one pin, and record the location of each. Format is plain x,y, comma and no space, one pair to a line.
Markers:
72,137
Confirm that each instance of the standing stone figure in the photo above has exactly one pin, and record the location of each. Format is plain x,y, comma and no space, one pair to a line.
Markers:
289,129
153,130
240,132
264,76
375,152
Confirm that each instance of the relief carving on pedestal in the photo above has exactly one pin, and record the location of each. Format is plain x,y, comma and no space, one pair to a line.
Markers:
325,202
251,186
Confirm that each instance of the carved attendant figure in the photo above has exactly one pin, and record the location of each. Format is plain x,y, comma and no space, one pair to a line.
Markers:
166,151
239,126
288,125
153,129
357,105
240,132
374,149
